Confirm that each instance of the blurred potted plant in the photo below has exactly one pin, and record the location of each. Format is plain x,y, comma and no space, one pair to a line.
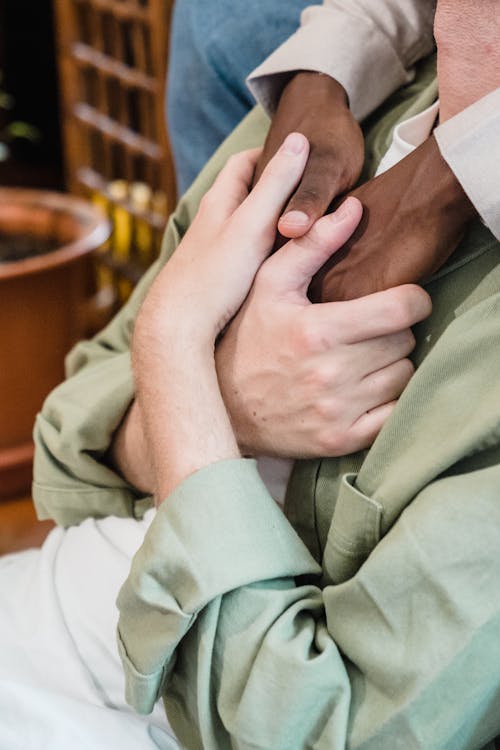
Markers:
45,242
10,132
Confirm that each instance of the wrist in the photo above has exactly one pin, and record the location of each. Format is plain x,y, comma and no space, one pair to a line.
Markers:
162,337
315,89
185,421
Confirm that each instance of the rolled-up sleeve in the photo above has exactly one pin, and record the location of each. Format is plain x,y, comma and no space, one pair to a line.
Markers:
245,654
75,427
369,47
182,567
470,144
71,479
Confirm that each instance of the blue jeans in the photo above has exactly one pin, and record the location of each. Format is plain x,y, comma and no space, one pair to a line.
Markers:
215,44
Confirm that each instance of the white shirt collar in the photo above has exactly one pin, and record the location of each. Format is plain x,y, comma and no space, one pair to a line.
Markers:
408,135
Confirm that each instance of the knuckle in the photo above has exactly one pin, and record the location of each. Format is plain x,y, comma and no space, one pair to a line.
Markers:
234,160
309,339
307,194
409,340
208,201
320,237
324,411
402,343
407,369
400,308
317,380
409,305
391,381
326,162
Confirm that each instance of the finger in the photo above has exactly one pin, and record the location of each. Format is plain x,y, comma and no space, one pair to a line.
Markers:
375,354
367,427
293,266
375,315
374,390
231,185
268,152
318,187
259,213
385,385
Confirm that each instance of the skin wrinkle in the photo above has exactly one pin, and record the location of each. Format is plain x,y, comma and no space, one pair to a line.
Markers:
468,52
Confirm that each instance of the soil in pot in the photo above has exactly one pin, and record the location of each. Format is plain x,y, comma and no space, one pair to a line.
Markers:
20,246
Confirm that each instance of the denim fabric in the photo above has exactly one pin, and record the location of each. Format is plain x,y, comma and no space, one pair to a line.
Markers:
214,46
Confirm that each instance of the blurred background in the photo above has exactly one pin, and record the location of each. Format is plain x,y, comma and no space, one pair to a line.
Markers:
82,89
28,68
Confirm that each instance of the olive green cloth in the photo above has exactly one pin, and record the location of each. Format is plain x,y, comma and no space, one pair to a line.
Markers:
370,617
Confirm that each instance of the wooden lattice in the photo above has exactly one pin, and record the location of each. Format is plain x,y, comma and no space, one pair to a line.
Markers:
112,60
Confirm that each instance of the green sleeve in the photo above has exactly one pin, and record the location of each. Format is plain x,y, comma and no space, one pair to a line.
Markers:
224,617
76,425
78,419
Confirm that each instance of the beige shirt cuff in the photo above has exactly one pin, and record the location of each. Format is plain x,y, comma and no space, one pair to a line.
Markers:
364,51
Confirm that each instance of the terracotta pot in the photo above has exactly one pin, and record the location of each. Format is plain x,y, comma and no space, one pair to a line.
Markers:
42,314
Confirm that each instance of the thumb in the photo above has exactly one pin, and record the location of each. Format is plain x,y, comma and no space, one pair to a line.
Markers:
292,267
320,184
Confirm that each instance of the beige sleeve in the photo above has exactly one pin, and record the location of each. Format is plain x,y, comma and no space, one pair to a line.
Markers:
368,46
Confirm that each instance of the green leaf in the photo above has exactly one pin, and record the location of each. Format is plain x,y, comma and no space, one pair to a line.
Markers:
6,101
23,130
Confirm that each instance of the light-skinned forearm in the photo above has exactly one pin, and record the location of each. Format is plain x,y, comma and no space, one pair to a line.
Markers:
129,453
170,427
153,459
185,421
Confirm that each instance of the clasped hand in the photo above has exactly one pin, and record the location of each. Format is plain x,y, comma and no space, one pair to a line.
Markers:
414,215
335,368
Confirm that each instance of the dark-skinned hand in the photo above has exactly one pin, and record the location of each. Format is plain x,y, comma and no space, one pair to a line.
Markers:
415,215
316,105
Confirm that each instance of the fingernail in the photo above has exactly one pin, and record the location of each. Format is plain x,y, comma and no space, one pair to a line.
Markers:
296,218
343,212
294,144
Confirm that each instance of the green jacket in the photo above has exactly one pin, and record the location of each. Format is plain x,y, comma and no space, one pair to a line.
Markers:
369,617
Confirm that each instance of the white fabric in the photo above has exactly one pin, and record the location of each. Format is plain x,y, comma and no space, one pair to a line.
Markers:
61,679
408,135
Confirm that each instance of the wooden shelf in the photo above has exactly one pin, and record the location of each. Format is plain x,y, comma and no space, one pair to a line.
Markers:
112,58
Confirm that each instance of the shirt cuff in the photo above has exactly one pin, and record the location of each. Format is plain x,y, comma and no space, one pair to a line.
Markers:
469,143
332,48
218,531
